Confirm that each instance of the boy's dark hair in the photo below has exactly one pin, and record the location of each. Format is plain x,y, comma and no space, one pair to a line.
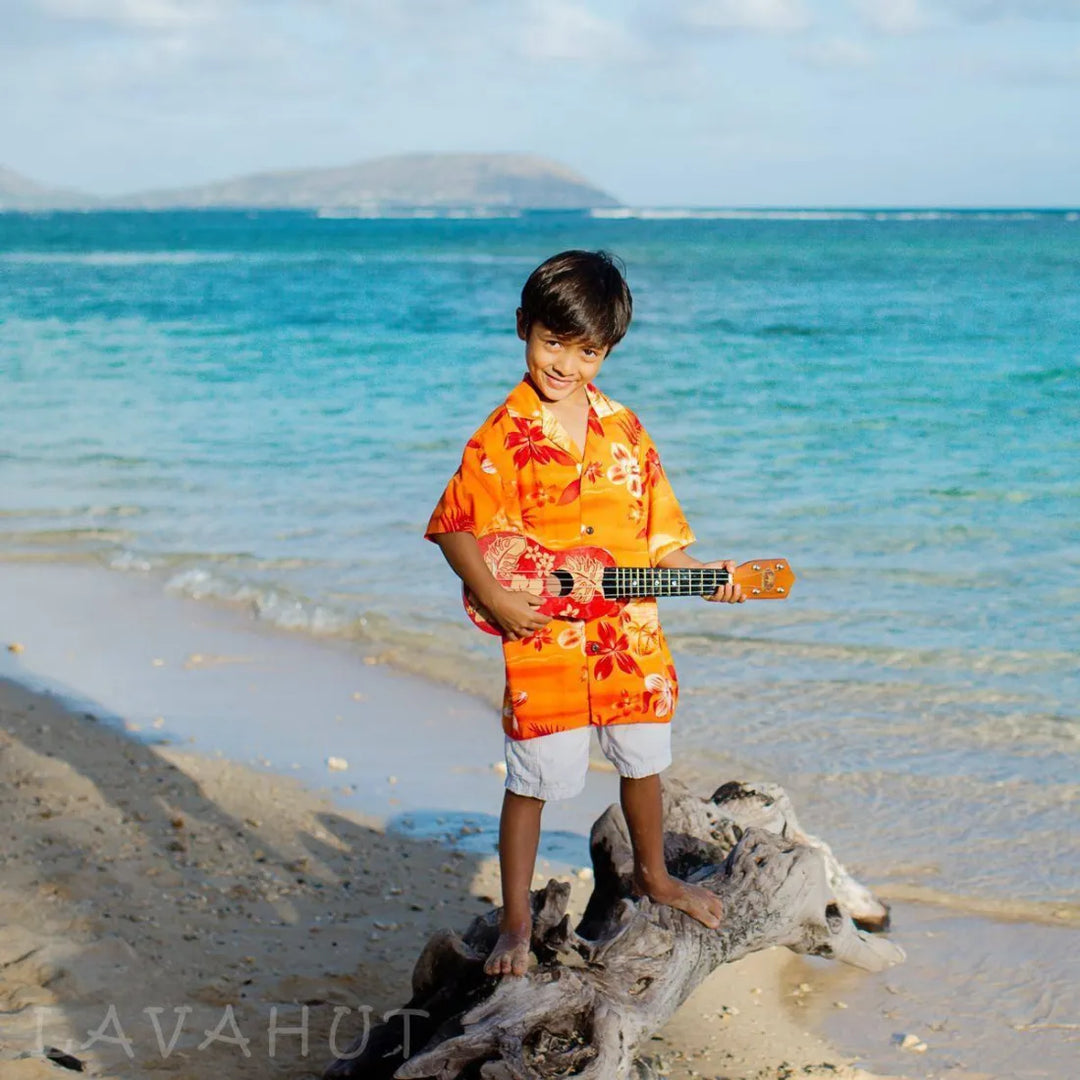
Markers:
579,294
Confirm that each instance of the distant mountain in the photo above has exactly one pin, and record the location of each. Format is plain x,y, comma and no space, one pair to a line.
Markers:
408,181
18,192
438,182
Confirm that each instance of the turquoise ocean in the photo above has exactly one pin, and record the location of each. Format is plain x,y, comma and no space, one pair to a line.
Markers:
264,407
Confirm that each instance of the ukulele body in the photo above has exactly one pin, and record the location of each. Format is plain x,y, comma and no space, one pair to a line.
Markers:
570,581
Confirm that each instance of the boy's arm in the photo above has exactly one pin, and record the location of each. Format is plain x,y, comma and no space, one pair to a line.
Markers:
731,593
515,612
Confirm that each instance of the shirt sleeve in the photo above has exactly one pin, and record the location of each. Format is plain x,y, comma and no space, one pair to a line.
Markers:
667,529
473,497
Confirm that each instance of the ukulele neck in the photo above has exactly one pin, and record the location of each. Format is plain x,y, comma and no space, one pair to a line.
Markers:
629,582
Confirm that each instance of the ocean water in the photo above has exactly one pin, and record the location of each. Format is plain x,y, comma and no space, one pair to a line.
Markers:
263,408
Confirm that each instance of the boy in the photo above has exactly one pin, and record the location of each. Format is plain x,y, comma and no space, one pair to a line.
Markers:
566,465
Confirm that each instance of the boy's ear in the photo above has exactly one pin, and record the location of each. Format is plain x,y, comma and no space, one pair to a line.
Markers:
522,330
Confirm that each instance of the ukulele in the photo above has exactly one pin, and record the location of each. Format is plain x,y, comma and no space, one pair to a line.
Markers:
584,582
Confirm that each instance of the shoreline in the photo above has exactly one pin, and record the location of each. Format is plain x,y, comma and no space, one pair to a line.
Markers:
230,639
118,647
141,888
146,873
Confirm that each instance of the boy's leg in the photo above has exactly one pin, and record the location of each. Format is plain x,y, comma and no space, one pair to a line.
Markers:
640,751
643,807
537,770
519,835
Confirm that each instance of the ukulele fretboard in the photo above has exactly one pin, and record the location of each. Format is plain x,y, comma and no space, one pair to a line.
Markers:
629,582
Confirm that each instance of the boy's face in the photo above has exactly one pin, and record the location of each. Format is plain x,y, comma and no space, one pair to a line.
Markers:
560,367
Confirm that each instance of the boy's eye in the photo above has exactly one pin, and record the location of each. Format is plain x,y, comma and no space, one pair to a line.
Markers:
553,342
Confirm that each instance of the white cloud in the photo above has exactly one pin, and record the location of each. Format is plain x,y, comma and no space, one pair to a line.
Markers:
912,16
893,16
136,14
835,53
993,10
563,30
769,16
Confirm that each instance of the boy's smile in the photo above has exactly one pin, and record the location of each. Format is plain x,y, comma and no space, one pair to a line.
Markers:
560,367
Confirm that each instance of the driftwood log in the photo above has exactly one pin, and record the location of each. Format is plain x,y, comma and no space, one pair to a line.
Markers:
601,988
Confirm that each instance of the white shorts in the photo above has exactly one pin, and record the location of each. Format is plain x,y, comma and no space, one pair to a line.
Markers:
554,766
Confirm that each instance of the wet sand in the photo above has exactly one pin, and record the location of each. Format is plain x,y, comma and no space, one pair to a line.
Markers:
142,872
139,878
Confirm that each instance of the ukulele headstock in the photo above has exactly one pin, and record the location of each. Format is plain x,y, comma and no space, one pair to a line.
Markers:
765,579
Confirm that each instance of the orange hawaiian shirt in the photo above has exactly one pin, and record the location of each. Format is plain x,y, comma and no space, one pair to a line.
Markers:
522,473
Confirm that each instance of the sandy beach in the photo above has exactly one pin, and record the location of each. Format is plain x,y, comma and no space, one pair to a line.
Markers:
141,877
178,913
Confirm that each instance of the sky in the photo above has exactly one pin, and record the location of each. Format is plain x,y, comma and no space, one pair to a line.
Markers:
660,102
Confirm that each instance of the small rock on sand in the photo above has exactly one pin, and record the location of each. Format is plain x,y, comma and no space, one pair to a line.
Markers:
909,1041
64,1060
337,764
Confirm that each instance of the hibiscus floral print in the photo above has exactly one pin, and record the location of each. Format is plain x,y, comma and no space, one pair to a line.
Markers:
543,561
660,692
612,648
540,639
522,473
652,470
626,470
592,472
511,701
531,444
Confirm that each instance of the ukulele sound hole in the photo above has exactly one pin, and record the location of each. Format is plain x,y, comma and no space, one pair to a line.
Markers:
562,582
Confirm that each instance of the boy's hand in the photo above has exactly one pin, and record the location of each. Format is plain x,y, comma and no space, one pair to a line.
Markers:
731,593
516,613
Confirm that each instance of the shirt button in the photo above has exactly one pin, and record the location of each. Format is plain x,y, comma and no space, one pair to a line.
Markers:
587,529
594,647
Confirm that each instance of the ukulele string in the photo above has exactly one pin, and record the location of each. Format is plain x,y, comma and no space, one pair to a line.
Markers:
722,575
653,581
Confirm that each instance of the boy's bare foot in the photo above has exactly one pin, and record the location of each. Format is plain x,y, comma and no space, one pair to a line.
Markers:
511,953
695,900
